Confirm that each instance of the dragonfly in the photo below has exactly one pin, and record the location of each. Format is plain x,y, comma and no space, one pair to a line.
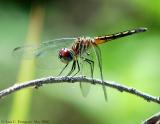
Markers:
75,51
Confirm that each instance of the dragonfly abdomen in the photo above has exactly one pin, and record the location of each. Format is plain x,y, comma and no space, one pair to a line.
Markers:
106,38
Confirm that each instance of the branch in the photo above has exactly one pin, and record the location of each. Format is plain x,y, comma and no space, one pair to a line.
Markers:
154,119
49,80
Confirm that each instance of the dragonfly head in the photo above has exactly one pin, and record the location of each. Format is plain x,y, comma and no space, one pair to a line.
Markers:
66,55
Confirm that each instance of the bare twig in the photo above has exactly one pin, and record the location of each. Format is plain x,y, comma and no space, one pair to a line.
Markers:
49,80
154,119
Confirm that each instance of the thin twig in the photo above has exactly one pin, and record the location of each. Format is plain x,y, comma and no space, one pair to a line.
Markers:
49,80
154,119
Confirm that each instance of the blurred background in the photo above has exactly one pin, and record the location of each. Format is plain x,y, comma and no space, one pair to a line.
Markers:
133,61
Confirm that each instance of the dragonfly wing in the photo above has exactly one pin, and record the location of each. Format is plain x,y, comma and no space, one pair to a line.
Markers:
46,54
29,51
87,69
84,86
99,60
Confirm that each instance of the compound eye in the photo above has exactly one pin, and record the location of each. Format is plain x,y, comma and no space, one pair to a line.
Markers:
66,55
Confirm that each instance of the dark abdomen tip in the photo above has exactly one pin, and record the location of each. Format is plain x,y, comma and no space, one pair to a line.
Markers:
141,29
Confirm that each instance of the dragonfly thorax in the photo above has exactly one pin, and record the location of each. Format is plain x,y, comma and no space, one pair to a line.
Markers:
66,55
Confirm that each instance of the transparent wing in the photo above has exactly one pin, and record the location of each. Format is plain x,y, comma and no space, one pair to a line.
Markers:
87,69
99,60
85,87
46,54
29,51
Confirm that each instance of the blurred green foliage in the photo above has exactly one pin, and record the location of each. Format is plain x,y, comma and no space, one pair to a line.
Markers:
133,61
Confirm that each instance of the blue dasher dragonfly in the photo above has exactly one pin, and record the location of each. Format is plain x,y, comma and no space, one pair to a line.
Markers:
76,51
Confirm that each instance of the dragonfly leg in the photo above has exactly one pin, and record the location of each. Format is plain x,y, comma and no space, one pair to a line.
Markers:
91,63
72,69
78,68
63,69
